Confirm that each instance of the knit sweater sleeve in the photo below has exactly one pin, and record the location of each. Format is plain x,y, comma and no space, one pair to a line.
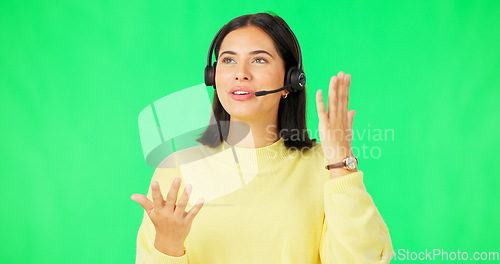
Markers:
353,229
146,251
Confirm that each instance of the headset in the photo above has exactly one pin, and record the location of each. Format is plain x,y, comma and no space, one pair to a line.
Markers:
295,78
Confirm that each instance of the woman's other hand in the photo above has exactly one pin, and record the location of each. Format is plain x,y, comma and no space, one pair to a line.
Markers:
171,221
335,126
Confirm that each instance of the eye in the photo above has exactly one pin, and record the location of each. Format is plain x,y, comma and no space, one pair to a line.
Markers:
260,60
227,60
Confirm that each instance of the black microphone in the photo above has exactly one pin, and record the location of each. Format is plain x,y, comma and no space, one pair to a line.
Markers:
261,93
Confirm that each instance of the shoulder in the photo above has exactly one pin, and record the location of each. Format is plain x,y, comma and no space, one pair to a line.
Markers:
188,155
311,152
175,164
313,156
312,162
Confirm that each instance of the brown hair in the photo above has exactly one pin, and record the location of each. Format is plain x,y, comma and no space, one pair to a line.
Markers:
292,110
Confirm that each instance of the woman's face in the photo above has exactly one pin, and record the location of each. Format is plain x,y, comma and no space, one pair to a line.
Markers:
248,61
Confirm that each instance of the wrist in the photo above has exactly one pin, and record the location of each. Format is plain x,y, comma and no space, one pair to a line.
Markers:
339,156
339,172
170,248
342,165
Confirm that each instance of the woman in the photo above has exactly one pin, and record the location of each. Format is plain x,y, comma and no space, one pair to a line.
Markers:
276,203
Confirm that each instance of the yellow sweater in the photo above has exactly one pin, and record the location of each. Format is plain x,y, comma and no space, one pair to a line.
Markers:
269,205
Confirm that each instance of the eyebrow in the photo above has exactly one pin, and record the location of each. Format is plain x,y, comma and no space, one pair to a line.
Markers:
251,53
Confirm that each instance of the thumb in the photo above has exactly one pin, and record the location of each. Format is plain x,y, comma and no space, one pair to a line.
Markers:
143,201
351,118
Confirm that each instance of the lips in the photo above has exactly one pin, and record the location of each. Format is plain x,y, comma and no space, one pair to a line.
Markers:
241,89
241,93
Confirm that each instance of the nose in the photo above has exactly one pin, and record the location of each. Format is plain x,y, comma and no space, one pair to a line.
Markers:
242,73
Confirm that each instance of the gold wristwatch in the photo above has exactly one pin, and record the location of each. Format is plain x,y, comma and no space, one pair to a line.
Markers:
349,163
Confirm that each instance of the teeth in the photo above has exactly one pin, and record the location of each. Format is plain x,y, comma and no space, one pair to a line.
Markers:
240,92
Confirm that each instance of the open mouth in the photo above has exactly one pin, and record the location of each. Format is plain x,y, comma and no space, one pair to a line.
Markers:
241,95
240,92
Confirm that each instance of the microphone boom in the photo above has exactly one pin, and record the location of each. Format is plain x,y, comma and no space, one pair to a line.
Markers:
262,93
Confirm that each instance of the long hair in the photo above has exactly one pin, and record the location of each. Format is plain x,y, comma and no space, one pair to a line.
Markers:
292,110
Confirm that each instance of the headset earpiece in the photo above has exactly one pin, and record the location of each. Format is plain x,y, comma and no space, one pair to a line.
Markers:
210,75
214,68
296,79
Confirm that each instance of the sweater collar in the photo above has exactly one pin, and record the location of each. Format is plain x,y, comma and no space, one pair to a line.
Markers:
259,159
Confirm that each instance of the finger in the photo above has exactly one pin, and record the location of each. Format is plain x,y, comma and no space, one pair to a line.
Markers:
345,98
180,209
172,193
320,106
143,201
158,201
341,76
350,118
341,94
194,211
350,124
332,102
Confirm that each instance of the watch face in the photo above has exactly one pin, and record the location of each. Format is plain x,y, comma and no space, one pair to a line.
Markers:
351,163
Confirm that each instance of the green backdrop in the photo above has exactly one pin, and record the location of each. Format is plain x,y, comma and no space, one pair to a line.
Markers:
74,76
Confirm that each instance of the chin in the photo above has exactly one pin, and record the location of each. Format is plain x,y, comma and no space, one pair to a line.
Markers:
242,114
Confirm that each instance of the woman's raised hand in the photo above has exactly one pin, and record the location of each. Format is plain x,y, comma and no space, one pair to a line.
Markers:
335,126
171,221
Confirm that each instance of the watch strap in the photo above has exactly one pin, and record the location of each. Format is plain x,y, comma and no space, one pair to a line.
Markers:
336,165
342,164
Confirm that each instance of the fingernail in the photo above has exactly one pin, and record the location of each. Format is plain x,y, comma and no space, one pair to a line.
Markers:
188,189
200,201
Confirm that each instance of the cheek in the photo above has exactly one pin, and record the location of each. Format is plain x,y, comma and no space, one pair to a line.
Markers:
223,97
272,77
221,81
222,76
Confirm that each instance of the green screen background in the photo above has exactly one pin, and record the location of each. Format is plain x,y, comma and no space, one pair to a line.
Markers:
75,75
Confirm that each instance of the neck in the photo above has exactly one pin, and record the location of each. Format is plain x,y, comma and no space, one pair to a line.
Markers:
256,133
